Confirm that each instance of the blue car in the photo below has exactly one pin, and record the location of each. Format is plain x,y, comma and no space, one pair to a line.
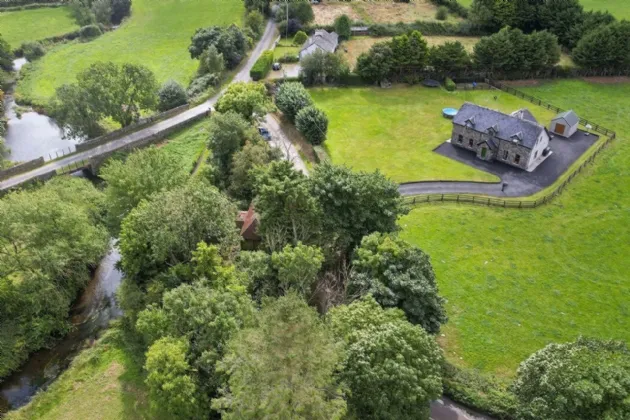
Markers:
264,133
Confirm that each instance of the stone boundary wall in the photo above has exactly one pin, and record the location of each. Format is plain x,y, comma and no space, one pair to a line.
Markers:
95,162
21,168
142,123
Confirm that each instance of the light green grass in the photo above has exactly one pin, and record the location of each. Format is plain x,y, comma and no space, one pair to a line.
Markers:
282,50
35,24
103,383
188,143
157,35
619,8
516,280
395,130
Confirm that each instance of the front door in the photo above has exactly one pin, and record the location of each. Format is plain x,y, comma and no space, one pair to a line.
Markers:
483,153
560,128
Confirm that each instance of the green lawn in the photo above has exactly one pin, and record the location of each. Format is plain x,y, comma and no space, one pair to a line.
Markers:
102,383
284,49
619,8
35,24
517,280
157,35
188,143
395,130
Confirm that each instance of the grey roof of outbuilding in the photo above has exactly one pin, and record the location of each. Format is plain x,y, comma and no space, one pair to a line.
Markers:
507,126
569,116
327,41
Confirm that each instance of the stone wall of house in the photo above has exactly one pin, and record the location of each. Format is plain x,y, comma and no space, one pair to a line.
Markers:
513,149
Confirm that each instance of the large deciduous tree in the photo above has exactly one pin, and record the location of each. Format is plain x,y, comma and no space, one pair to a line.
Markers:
398,275
450,58
244,162
605,48
283,368
6,55
391,367
104,90
142,174
229,132
560,17
376,64
291,98
248,99
230,41
312,122
297,267
322,67
584,379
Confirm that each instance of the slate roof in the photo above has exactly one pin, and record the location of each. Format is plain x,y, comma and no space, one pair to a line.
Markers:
327,41
506,127
524,114
569,116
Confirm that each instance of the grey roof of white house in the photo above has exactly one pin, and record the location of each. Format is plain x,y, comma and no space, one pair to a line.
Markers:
569,116
327,41
506,127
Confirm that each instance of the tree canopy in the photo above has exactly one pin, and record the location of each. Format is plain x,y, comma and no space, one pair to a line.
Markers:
248,99
230,42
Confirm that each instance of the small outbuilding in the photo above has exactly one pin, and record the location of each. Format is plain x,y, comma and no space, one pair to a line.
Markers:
564,124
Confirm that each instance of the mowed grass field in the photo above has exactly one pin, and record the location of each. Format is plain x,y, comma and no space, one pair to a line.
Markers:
517,280
35,24
395,130
157,35
619,8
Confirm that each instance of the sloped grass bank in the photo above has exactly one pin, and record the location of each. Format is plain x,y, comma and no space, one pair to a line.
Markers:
35,24
517,280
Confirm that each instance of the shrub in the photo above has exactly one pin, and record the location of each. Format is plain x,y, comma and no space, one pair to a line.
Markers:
449,84
292,98
201,84
256,22
289,58
90,31
120,10
313,124
442,13
342,27
300,38
262,66
289,28
32,50
171,95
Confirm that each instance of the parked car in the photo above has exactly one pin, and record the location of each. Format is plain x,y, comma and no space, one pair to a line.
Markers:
264,133
276,66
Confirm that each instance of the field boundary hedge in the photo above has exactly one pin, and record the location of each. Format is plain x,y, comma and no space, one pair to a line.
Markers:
262,66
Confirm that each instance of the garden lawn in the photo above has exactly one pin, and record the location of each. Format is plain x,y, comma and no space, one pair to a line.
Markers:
188,143
157,35
35,24
282,50
395,130
516,280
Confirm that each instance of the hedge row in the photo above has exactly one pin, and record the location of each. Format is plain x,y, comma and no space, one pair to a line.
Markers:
12,3
453,6
4,8
262,66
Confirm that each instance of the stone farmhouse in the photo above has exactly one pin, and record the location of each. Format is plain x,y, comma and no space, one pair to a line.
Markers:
321,40
516,139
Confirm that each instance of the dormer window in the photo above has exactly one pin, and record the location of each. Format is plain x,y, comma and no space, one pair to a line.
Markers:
470,122
493,130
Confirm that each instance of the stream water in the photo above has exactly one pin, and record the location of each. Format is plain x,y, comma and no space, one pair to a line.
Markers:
90,314
31,135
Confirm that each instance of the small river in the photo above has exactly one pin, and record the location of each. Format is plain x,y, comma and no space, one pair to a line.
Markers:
91,313
32,135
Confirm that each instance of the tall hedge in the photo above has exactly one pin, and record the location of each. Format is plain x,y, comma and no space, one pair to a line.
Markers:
262,66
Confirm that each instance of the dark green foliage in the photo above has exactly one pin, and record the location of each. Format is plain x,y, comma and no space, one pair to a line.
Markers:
288,211
606,48
313,124
228,134
171,95
442,13
260,5
104,90
300,10
50,237
211,62
376,65
289,58
510,51
163,231
244,161
120,10
300,38
6,55
450,58
560,17
291,98
322,67
592,20
356,204
453,6
449,84
230,42
32,50
90,31
262,66
142,174
201,84
255,21
585,379
290,27
102,10
398,275
343,27
391,367
284,368
81,11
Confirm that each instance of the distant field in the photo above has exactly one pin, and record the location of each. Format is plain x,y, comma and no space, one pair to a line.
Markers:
395,130
619,8
516,280
157,35
35,24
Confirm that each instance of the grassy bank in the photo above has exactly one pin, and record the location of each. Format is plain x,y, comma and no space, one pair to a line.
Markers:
517,280
395,130
102,383
188,143
157,35
35,24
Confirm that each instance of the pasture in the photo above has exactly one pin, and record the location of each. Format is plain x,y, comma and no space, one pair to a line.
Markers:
35,24
516,280
156,35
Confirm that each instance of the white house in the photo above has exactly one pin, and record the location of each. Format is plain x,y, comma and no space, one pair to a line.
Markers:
565,124
320,40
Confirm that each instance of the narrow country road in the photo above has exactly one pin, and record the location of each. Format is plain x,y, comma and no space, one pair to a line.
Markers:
281,141
242,76
446,409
